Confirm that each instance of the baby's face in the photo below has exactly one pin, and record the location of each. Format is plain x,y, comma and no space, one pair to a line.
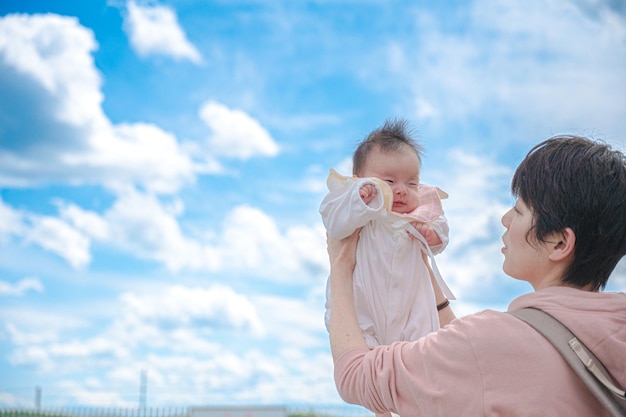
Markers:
401,170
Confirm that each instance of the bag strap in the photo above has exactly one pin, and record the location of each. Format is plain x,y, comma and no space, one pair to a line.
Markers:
579,357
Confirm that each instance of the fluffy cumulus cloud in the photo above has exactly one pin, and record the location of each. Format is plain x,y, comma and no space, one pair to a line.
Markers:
175,315
58,237
175,334
52,112
154,30
235,134
66,138
147,227
54,234
178,306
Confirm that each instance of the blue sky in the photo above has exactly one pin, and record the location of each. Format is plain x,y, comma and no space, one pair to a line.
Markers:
162,165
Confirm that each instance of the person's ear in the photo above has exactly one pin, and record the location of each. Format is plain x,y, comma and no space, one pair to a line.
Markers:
564,244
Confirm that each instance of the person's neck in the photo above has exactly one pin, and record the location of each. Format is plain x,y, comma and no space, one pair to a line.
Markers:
559,283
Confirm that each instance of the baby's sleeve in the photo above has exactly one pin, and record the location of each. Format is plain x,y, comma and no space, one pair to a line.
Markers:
343,211
440,226
430,212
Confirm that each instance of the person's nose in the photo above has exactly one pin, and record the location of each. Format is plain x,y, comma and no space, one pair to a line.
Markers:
506,218
399,189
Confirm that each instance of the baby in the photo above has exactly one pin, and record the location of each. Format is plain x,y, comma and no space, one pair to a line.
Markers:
402,225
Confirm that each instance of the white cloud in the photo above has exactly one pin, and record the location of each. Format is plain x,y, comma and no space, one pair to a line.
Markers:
10,221
59,131
300,328
511,64
93,393
53,50
179,306
173,317
172,333
144,226
88,223
252,241
22,338
154,30
32,355
235,134
21,287
141,225
97,346
10,400
57,236
249,241
142,153
474,209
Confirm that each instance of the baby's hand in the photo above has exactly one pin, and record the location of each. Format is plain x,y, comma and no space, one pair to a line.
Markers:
367,192
432,238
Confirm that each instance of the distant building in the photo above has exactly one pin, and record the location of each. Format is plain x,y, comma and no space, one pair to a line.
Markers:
256,411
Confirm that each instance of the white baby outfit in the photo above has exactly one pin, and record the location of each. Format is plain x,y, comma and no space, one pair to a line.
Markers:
393,294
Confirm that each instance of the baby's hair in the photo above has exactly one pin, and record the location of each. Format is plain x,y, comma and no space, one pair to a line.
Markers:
391,137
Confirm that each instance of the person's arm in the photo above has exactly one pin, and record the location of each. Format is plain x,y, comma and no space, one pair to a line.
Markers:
343,327
446,314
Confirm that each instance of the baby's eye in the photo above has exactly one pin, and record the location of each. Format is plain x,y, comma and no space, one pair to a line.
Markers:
389,181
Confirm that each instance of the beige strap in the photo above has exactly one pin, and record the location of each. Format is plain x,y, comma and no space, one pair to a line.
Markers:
610,396
590,364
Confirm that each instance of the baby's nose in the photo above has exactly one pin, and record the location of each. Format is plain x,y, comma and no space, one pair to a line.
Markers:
400,189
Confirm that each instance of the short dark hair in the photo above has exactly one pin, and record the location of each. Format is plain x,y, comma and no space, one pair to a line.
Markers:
572,181
394,134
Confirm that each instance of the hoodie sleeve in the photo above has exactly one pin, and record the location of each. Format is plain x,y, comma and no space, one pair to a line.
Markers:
437,375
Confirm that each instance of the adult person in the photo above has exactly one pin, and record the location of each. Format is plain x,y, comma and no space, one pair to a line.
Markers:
564,236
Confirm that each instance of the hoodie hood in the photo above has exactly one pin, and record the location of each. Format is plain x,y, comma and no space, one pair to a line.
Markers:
598,319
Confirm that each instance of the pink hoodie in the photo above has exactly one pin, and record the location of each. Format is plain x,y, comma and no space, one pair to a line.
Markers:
491,363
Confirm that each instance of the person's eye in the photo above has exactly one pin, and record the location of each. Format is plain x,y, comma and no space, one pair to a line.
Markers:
389,181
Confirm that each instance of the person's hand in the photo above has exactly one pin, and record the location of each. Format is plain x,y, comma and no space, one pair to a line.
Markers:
432,238
367,192
342,253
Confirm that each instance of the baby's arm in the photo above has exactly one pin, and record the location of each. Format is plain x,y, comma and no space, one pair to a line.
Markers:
367,192
343,209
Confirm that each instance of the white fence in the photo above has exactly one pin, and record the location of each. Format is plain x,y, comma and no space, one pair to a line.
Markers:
237,412
294,410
